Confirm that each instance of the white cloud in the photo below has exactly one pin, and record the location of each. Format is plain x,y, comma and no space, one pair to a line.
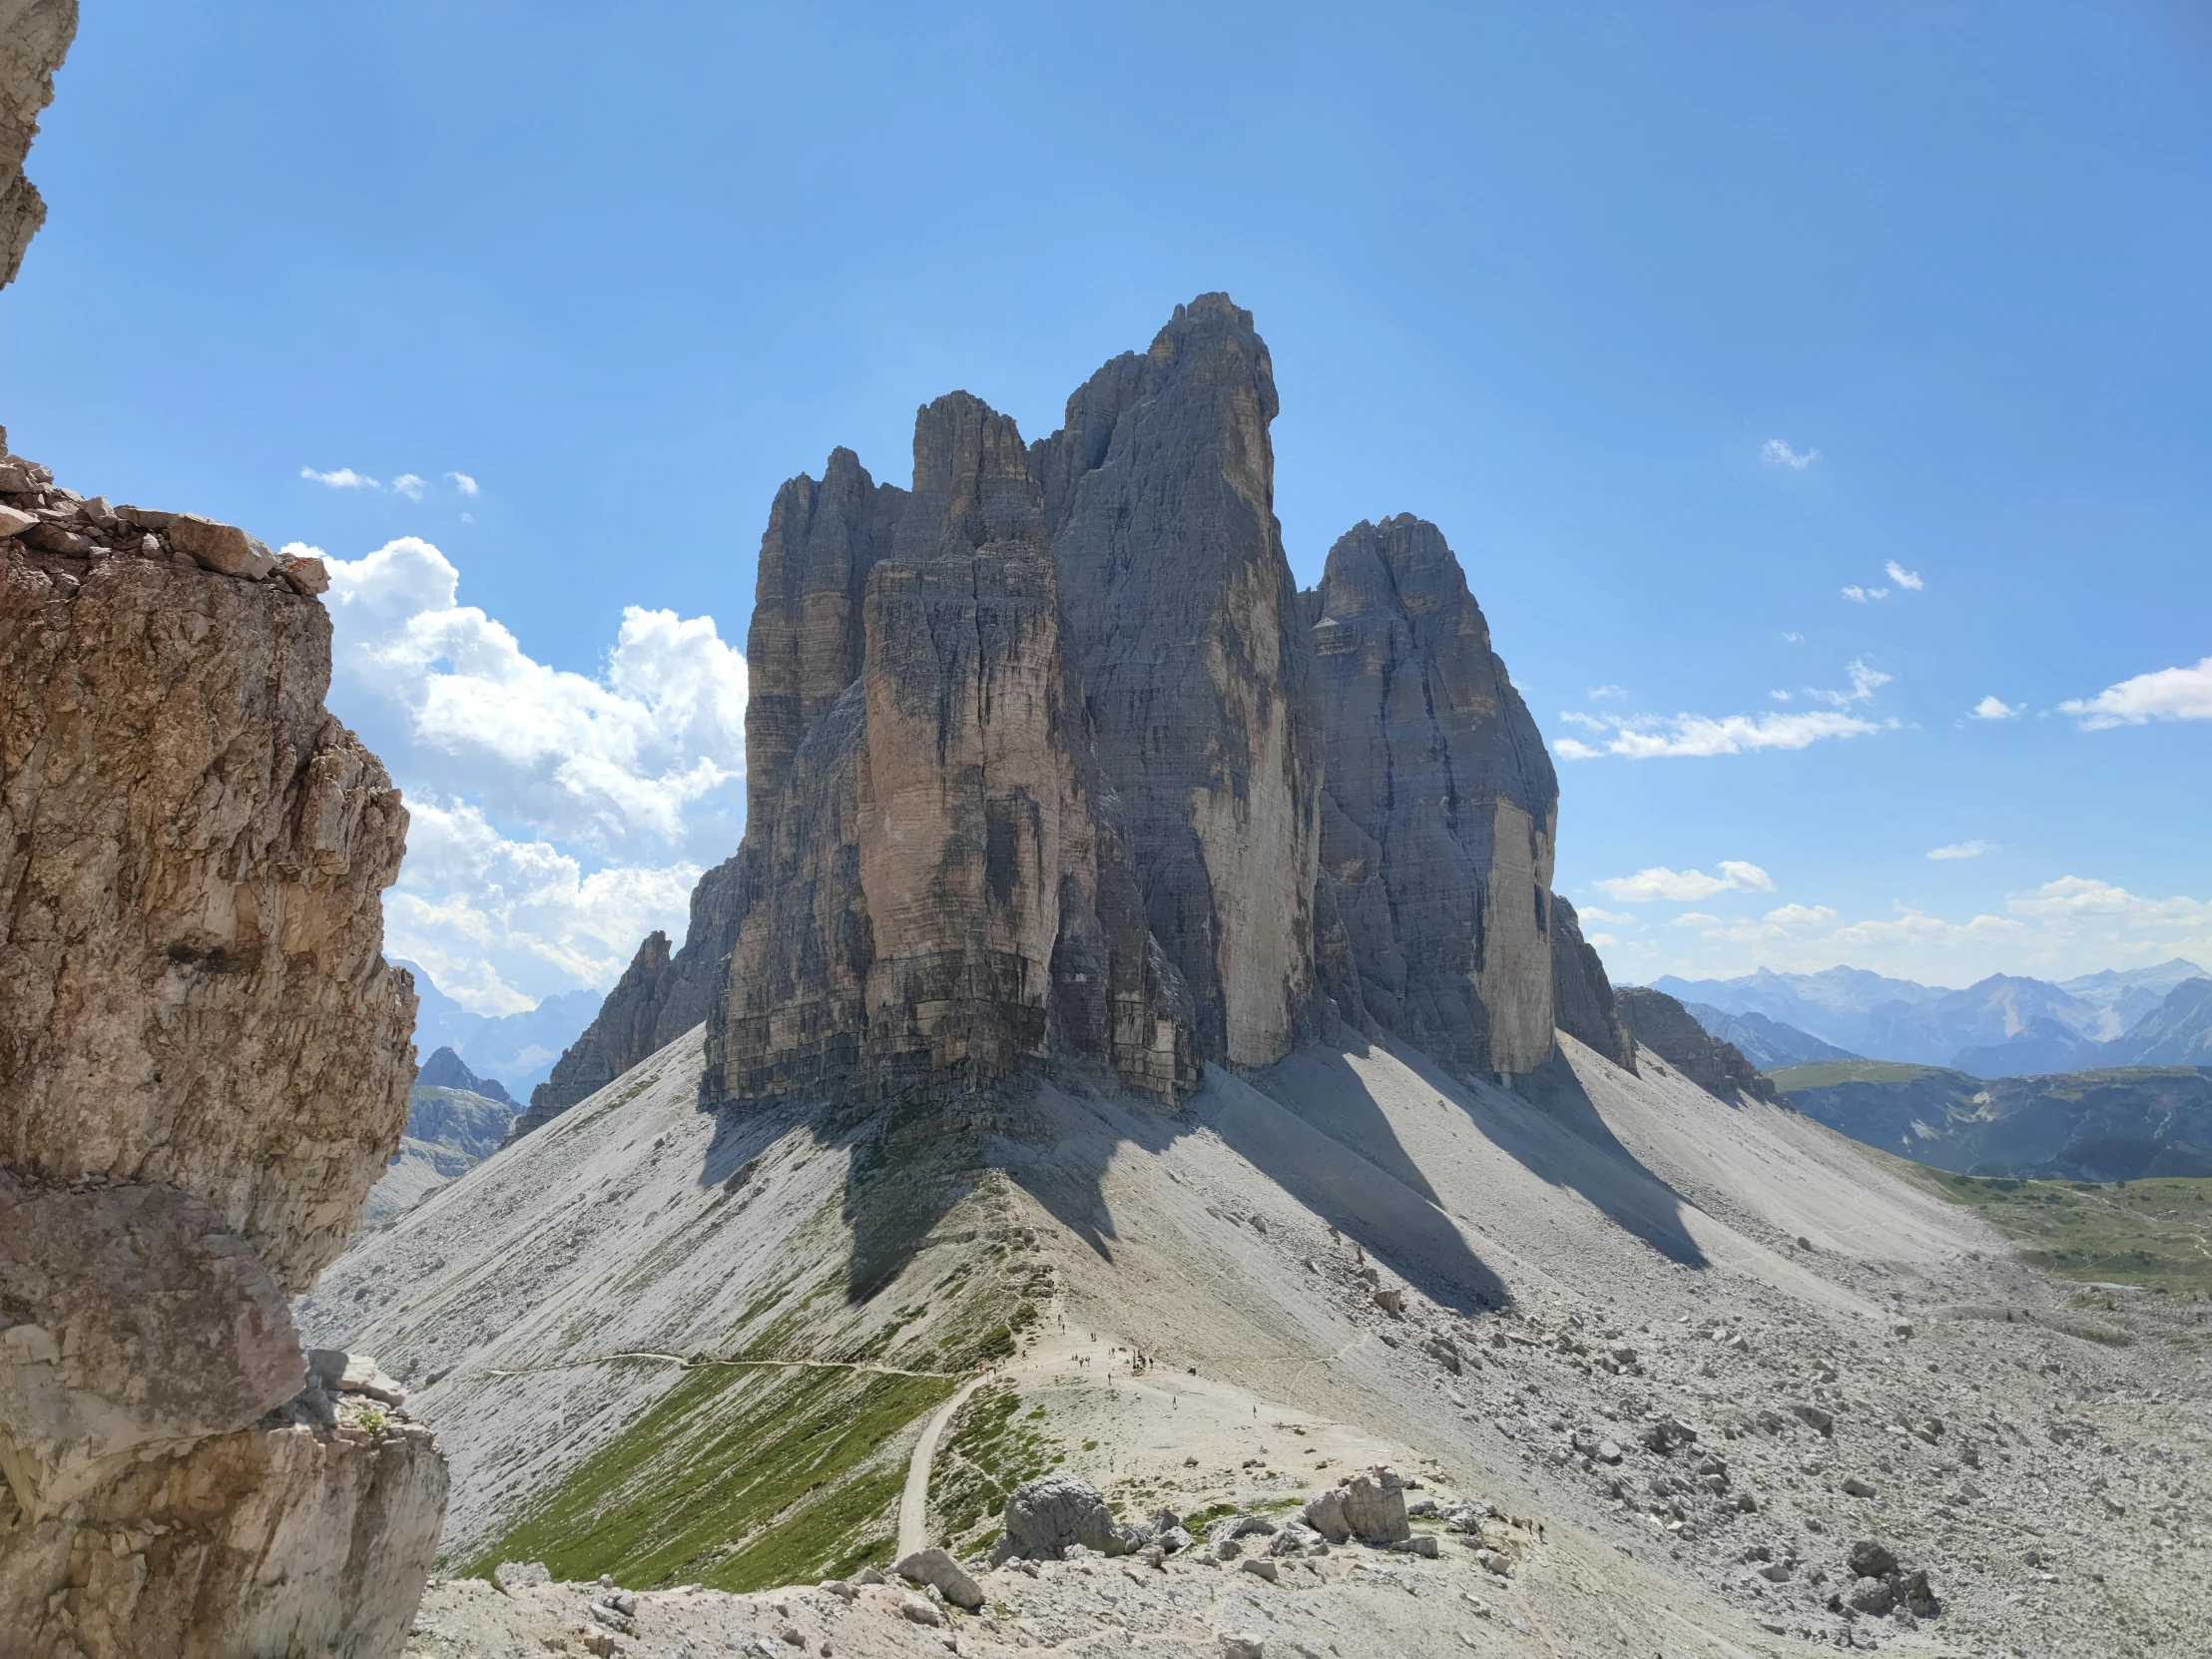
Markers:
1991,708
462,482
1588,722
1910,580
1684,887
629,757
1650,737
1865,682
1620,918
1601,938
408,485
2169,694
1607,691
1963,849
1693,918
1800,915
501,922
342,478
1794,639
1780,695
1861,596
1778,454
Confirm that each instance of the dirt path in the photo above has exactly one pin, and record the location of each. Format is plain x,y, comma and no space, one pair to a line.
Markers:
913,1503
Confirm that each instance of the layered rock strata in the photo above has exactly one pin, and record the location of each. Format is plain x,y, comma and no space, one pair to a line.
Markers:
1439,806
944,898
1582,999
1662,1025
204,1066
34,39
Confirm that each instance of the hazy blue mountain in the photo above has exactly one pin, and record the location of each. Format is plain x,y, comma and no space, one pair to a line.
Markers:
447,1070
1767,1043
2106,1125
1832,1005
2007,1025
2178,1032
2130,996
518,1049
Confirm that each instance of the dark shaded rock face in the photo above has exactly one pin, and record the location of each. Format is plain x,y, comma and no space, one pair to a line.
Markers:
1159,496
1582,1002
944,897
446,1070
1436,830
1661,1024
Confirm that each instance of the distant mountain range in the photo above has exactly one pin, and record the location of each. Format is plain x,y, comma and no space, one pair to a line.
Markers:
2106,1125
2003,1026
518,1050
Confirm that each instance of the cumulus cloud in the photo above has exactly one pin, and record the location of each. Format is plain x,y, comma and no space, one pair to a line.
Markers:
1963,849
1800,915
1863,596
2169,694
610,762
462,482
1686,885
408,485
1992,707
1620,918
557,816
1775,452
1910,580
500,922
341,478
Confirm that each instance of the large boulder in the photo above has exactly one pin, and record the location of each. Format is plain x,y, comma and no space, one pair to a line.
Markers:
1044,1516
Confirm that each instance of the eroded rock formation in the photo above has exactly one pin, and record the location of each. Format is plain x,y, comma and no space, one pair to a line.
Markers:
34,39
1180,608
1440,808
1582,1000
944,897
203,1066
1661,1024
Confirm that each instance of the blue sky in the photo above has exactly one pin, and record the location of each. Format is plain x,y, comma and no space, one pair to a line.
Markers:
1586,286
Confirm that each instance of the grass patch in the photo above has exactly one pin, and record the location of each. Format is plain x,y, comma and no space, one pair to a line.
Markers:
2154,1233
988,1450
739,1478
1828,1074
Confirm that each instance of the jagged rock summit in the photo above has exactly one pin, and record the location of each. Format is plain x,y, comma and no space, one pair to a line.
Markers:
1039,773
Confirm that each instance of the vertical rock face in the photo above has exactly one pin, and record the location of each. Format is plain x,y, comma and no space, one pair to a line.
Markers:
34,38
204,1066
1180,609
1581,996
1436,830
943,899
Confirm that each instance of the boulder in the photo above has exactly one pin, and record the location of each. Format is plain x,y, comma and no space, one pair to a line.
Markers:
520,1575
935,1566
1870,1558
222,548
1048,1515
1374,1505
1325,1515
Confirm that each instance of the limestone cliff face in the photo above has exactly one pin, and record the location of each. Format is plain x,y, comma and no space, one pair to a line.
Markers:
34,39
1582,998
1661,1024
203,1066
1179,611
1438,823
193,853
943,900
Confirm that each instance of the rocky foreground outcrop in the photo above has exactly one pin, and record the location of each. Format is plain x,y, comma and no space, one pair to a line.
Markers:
1048,761
203,1066
34,39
